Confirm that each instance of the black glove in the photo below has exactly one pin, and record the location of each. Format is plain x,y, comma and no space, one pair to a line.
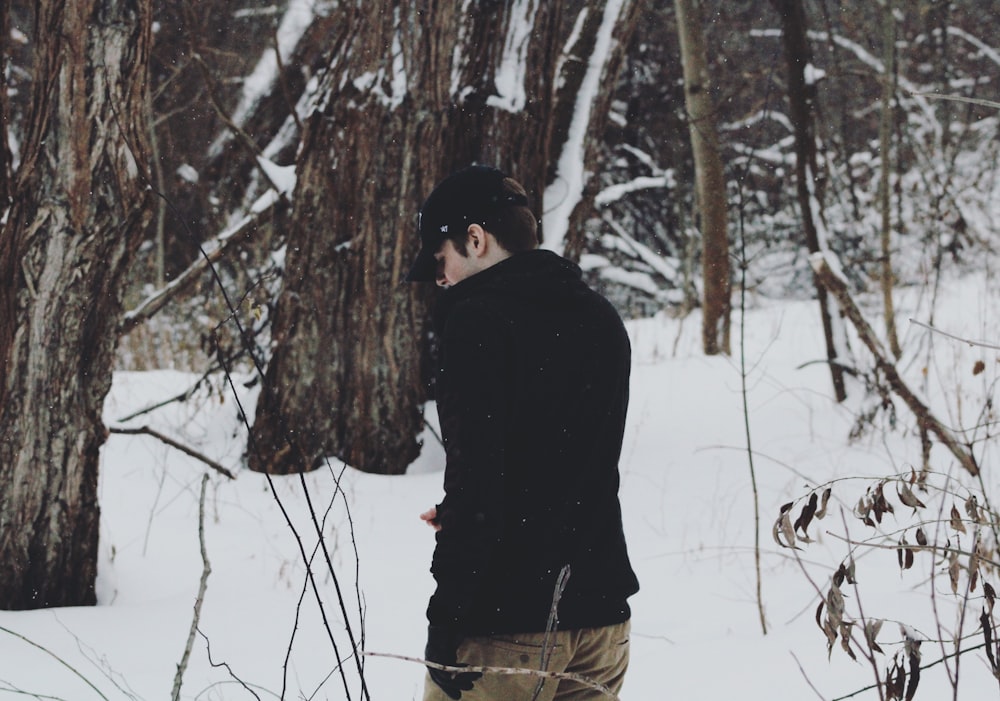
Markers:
442,646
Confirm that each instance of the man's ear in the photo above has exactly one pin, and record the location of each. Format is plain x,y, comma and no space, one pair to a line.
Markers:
477,243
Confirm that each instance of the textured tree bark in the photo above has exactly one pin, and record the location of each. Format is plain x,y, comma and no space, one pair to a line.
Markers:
797,57
408,97
710,179
5,154
78,210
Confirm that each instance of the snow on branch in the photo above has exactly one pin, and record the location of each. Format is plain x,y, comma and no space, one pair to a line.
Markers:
258,84
213,251
615,192
566,188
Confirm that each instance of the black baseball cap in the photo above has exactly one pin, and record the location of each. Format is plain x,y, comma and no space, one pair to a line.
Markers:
467,196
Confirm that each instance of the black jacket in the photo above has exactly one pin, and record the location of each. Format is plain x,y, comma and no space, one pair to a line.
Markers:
532,391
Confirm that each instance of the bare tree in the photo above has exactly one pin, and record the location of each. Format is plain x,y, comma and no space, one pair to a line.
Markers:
710,185
79,206
798,58
424,92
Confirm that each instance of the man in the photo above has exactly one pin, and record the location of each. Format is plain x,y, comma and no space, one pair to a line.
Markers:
532,389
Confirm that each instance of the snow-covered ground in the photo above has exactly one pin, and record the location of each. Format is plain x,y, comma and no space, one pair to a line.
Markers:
689,517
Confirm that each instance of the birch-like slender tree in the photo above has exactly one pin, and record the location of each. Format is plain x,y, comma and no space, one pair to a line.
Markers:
885,194
79,203
408,96
710,179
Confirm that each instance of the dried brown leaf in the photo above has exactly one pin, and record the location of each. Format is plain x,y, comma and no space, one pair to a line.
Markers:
953,571
914,658
845,639
921,537
987,624
872,628
821,512
895,682
787,530
806,516
835,606
956,520
849,573
990,595
904,554
881,505
908,498
978,367
972,509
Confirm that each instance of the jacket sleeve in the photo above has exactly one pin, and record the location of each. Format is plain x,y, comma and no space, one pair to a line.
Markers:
472,401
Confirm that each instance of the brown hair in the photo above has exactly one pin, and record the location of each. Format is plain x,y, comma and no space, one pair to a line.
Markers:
514,227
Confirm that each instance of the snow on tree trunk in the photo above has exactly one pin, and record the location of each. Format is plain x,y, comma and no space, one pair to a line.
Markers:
78,210
409,96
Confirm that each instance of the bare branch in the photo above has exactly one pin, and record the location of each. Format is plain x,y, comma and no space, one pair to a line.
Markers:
202,587
838,288
213,252
129,431
981,344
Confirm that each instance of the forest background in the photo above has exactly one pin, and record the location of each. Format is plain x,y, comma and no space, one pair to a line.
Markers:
220,189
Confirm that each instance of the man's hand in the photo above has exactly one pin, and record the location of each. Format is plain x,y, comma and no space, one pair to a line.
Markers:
442,647
430,518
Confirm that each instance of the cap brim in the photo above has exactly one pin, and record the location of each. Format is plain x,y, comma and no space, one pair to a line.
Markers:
424,267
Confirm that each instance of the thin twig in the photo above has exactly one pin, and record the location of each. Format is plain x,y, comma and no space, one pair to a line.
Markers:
128,431
202,587
580,679
922,668
981,344
211,252
551,626
912,546
57,658
806,677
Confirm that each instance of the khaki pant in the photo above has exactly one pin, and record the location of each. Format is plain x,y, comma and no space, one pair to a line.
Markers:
600,654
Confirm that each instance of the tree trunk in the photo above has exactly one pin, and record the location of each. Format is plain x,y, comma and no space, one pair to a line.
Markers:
79,207
710,179
585,77
409,97
885,194
800,100
5,154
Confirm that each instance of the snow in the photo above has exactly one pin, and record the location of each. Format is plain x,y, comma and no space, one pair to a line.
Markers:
511,71
566,189
296,20
688,509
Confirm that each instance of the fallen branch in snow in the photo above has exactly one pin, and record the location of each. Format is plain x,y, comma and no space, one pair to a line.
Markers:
202,587
836,285
156,301
128,431
597,686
